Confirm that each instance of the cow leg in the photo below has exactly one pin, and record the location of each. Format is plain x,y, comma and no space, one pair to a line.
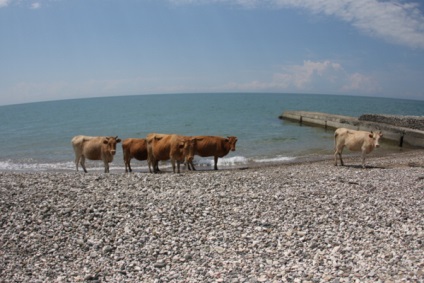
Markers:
191,166
129,167
215,163
173,165
341,160
178,166
106,166
363,159
339,154
77,160
151,164
82,162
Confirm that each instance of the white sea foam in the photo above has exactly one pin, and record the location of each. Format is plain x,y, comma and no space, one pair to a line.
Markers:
275,159
32,165
9,165
226,161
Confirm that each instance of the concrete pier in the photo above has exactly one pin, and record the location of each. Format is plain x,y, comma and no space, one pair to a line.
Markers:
401,135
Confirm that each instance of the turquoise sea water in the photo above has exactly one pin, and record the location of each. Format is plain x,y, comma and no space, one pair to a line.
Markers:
36,136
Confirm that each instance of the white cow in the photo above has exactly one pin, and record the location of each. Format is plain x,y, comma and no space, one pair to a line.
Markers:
94,148
355,141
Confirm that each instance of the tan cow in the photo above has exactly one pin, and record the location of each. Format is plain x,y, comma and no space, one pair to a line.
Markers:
133,148
355,141
213,146
162,147
94,148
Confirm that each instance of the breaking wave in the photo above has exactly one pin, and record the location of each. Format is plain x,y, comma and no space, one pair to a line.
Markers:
97,166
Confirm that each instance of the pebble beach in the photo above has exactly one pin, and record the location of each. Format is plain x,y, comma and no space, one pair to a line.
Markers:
299,222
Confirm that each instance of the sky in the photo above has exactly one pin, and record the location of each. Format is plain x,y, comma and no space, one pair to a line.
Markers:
63,49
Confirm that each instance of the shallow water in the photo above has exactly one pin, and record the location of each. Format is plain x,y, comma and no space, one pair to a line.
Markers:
36,136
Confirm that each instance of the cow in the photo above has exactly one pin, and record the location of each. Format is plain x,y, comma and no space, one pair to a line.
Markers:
162,147
133,148
94,148
212,146
355,141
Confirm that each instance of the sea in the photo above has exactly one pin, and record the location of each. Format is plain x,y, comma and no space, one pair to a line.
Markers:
37,136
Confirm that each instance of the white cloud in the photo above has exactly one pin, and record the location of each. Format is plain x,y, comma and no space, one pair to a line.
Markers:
313,76
4,3
300,76
35,5
396,21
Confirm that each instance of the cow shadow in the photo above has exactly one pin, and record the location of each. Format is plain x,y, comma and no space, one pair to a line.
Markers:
366,167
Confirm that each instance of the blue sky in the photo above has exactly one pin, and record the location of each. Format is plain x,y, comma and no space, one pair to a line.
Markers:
61,49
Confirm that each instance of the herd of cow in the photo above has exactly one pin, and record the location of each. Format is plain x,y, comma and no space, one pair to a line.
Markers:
178,148
154,148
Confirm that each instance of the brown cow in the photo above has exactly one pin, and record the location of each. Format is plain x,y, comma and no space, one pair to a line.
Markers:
162,147
355,141
133,148
213,146
94,148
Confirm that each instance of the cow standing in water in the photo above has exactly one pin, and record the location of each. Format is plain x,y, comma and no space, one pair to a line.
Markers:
212,146
134,148
162,147
355,141
94,148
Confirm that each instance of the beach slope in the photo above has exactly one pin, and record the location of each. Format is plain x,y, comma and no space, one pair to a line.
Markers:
310,221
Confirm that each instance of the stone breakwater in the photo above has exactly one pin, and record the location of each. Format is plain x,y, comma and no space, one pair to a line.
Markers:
289,223
400,129
411,122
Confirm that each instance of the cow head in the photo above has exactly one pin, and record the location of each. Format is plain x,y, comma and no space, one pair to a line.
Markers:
190,148
110,144
232,142
376,137
187,147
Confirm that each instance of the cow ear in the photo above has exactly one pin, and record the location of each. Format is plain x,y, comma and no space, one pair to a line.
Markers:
118,140
371,135
105,141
